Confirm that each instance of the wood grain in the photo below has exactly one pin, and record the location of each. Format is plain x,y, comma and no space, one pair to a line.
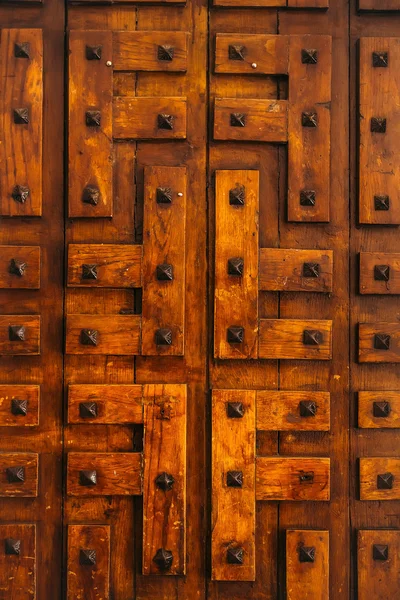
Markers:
368,353
369,282
261,3
370,468
281,411
378,579
283,338
115,404
118,265
366,413
378,5
307,580
137,118
18,571
88,581
300,478
11,258
30,345
265,120
28,393
262,54
283,270
118,474
139,50
23,489
116,334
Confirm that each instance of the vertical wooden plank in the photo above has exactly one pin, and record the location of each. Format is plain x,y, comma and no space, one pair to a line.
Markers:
21,108
233,485
378,564
309,129
307,565
164,490
90,147
18,562
236,264
164,241
88,568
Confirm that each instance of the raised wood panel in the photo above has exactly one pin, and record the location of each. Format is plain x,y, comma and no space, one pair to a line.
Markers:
378,5
105,404
378,568
379,410
149,118
295,339
262,120
262,54
380,478
379,342
307,565
379,273
274,3
19,405
150,51
293,411
116,474
19,335
105,265
18,562
294,270
103,334
18,474
299,478
20,267
88,562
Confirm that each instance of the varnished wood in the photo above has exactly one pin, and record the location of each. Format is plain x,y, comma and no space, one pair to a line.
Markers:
116,334
282,411
284,478
286,270
9,416
116,265
25,483
115,404
378,578
139,50
18,572
137,118
118,474
20,267
26,340
265,120
375,417
379,273
370,470
307,580
284,338
88,580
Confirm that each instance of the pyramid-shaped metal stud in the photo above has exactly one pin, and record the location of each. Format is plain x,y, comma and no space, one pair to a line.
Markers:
311,270
235,335
12,547
163,559
17,267
308,408
312,337
238,120
380,59
234,479
87,557
237,196
20,194
385,481
21,116
309,56
165,53
163,337
87,478
381,202
165,121
88,410
378,125
164,272
382,341
381,272
89,337
15,474
19,407
93,52
309,119
235,266
89,271
307,198
93,118
381,409
307,554
235,556
91,195
236,52
164,481
164,196
306,476
380,552
22,50
16,333
235,410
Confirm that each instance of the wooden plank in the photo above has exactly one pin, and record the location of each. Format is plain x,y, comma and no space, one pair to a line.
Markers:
21,142
378,564
251,53
378,5
149,118
379,273
20,267
150,51
105,265
309,146
107,404
104,474
241,3
19,405
379,97
293,411
236,238
299,478
297,339
379,342
19,334
90,148
18,562
262,120
88,562
103,334
379,410
380,478
233,492
164,487
18,474
308,3
294,270
164,257
307,565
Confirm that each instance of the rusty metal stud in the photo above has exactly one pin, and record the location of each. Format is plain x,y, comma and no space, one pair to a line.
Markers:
163,337
235,410
164,195
237,196
164,272
378,125
12,547
307,198
380,59
164,481
381,202
163,559
311,270
238,120
235,556
165,121
309,119
381,272
309,56
16,333
15,474
381,409
307,554
234,479
93,118
236,52
308,408
88,410
385,481
89,337
380,552
87,557
165,53
306,476
91,195
235,266
20,193
381,341
235,335
22,50
19,407
93,52
89,271
87,478
312,337
21,116
17,267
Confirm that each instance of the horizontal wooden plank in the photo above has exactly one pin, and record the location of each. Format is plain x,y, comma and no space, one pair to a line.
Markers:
378,5
262,120
307,564
296,339
380,478
88,562
251,53
105,265
293,411
379,273
19,334
296,270
104,474
19,405
379,410
107,404
379,342
378,564
103,334
20,267
241,3
19,474
299,478
18,561
149,118
150,51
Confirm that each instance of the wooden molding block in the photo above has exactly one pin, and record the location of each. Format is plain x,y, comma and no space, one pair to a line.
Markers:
103,334
380,478
270,54
18,561
88,567
379,410
293,411
295,339
299,478
20,267
104,474
250,120
379,273
296,270
149,118
106,404
19,334
378,564
379,342
150,51
307,564
19,405
18,474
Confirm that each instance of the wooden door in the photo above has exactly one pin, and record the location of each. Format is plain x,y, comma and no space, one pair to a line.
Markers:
199,325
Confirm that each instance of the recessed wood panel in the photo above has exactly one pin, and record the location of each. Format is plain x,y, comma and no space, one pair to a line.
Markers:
251,53
116,474
299,478
379,410
250,120
20,267
379,342
378,564
274,3
378,5
103,334
105,265
293,411
149,118
18,562
296,270
307,564
289,338
380,478
88,562
19,405
19,334
150,51
18,474
379,273
108,404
